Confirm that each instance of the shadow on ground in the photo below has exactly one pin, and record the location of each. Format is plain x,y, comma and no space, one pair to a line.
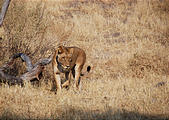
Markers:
74,113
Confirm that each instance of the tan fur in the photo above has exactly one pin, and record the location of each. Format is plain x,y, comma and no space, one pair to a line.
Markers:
68,60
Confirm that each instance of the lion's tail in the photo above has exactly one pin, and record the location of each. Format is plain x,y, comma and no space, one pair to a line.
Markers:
88,70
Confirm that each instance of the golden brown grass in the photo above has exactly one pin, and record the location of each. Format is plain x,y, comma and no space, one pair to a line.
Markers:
126,42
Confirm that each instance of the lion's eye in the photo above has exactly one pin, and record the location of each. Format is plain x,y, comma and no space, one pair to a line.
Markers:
70,60
63,58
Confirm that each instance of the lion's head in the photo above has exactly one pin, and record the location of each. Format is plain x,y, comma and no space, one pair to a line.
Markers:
64,57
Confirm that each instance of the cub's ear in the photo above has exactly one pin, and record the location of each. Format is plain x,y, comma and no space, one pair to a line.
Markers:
60,49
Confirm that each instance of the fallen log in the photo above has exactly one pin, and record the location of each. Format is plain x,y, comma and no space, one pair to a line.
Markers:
33,71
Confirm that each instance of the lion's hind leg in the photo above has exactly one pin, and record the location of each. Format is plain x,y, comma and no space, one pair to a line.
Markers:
68,80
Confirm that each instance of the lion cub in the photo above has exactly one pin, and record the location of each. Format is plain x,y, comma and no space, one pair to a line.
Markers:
68,60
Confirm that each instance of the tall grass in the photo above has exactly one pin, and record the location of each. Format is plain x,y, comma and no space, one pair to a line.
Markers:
126,43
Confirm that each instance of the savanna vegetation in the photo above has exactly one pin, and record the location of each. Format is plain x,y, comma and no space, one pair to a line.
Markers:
126,43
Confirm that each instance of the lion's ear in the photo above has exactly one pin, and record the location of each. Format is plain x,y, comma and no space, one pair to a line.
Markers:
60,49
70,51
70,54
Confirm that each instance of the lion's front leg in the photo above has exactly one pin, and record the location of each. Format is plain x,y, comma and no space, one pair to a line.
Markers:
58,81
57,77
78,70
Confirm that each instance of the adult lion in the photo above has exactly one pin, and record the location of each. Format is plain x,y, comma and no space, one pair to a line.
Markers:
68,60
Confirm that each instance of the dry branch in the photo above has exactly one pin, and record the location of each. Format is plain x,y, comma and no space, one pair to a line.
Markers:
4,10
33,71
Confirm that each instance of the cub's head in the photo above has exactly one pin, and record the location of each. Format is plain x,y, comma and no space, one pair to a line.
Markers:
64,57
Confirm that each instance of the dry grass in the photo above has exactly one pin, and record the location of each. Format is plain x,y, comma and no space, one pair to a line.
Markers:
126,42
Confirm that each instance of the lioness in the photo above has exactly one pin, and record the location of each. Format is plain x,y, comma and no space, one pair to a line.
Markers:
68,60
